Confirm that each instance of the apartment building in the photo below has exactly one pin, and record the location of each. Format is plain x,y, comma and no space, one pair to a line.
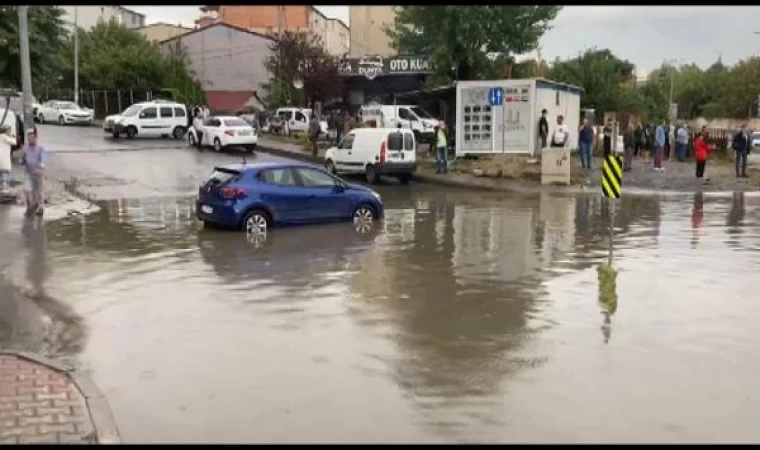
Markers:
89,16
368,30
267,20
160,31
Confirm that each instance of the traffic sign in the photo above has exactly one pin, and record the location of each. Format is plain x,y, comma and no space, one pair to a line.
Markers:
612,176
495,96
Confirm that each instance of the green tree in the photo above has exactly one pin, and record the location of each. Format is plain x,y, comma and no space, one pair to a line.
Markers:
111,57
607,80
47,39
743,88
138,64
459,38
301,56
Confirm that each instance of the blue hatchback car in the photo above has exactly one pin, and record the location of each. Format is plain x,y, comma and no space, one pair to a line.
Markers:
256,197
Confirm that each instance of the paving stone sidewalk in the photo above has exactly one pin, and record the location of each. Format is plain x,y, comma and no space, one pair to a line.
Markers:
41,403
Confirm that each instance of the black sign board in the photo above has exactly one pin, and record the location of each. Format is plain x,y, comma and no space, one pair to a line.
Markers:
374,66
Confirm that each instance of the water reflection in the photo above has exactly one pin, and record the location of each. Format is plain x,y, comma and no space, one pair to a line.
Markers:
468,306
697,217
34,320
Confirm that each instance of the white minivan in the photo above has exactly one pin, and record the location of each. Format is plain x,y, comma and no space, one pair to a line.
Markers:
374,152
157,118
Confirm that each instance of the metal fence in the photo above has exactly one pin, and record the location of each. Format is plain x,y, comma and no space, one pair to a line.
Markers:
104,103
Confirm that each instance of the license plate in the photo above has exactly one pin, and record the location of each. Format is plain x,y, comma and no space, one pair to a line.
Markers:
394,155
207,209
244,133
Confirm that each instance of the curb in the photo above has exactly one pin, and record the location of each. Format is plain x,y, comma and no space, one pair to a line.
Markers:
97,406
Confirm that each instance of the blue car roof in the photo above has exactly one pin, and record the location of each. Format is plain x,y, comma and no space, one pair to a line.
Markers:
259,166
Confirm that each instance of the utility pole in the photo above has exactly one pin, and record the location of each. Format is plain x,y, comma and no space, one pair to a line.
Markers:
26,70
76,57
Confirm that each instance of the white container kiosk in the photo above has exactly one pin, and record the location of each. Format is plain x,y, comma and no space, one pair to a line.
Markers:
501,116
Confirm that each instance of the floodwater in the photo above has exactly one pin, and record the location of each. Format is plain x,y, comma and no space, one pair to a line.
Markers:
462,317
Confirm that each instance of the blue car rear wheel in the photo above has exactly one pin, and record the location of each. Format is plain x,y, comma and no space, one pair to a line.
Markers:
256,222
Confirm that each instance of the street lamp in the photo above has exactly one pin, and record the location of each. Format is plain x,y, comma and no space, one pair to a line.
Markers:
672,78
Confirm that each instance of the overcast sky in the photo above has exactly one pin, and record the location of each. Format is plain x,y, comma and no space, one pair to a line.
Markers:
645,35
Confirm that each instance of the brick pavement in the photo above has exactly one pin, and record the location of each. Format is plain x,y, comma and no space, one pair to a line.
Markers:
39,404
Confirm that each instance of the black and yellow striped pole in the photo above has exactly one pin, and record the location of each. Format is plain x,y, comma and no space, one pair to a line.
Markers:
612,186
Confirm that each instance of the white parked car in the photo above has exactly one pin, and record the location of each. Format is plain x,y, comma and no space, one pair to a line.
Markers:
756,140
296,120
64,113
157,118
220,132
374,152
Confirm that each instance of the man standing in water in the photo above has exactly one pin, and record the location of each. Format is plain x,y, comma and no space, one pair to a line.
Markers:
660,138
742,144
34,160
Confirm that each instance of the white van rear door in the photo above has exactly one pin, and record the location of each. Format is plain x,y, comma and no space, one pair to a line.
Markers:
394,147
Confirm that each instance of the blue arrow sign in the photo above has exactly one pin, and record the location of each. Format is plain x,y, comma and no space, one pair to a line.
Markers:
496,96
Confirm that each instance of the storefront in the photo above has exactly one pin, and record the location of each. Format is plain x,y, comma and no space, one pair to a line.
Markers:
377,79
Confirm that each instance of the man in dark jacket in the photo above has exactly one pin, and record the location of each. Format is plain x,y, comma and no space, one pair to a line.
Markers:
742,145
543,128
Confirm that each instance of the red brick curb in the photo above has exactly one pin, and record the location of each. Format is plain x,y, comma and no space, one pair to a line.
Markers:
44,401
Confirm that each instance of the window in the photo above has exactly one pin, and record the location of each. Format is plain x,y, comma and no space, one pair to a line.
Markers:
286,115
179,112
300,117
315,178
404,113
395,142
408,141
347,142
280,177
235,123
211,122
167,112
149,113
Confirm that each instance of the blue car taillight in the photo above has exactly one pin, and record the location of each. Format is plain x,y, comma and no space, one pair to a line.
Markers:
231,193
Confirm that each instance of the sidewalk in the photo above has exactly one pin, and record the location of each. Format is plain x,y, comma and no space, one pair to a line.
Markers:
678,177
42,401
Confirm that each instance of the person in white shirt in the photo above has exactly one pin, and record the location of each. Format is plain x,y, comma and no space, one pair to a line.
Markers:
561,134
7,140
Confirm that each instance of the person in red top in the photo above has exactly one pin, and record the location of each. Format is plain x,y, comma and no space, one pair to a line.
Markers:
701,147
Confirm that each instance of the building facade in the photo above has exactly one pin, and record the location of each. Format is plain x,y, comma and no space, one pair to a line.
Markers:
228,61
270,19
368,30
157,32
89,16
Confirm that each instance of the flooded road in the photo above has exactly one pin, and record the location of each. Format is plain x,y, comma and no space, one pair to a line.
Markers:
462,317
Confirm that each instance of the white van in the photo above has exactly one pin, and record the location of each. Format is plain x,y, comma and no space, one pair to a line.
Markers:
296,120
150,119
375,152
410,117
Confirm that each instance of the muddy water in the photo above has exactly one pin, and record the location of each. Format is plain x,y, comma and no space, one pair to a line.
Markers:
463,317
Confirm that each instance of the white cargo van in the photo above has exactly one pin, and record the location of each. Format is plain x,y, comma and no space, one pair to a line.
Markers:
374,152
151,119
410,117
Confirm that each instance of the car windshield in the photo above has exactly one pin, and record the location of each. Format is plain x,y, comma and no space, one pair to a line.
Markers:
421,113
235,123
131,111
68,105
